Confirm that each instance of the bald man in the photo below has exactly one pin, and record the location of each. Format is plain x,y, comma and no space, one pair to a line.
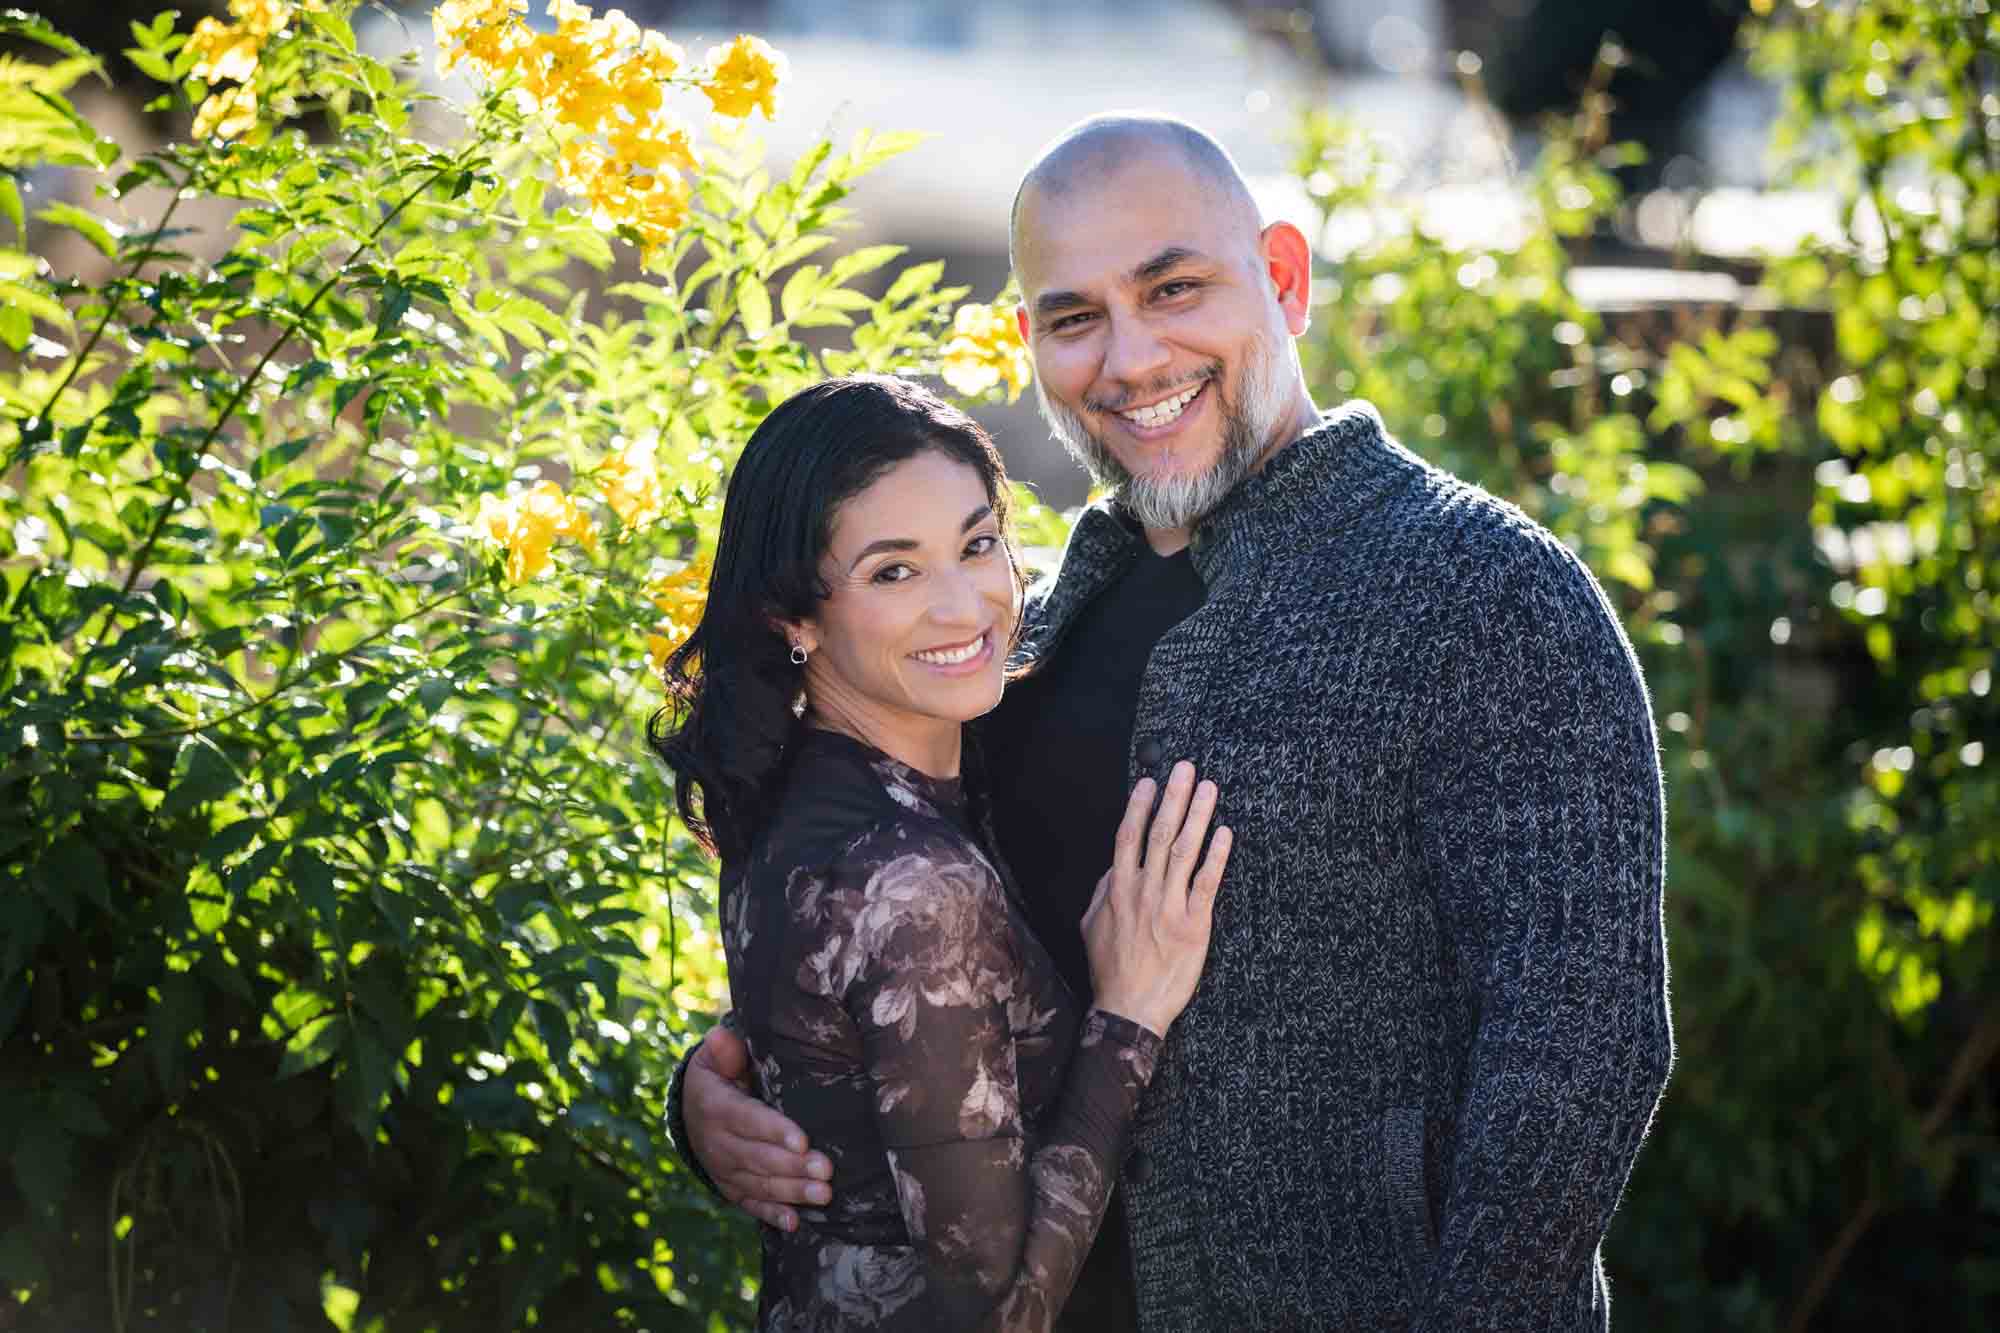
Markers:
1434,1023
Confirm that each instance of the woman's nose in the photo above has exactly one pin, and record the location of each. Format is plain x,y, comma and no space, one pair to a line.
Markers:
957,600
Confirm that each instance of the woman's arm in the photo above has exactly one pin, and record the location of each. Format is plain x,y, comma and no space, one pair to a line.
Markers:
1002,1231
924,959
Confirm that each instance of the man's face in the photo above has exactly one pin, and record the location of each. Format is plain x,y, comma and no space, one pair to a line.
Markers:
1162,353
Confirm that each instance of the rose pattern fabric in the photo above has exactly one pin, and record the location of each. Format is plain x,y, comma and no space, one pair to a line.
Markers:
898,1008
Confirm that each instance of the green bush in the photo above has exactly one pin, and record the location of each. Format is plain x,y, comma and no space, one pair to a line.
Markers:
346,941
1804,544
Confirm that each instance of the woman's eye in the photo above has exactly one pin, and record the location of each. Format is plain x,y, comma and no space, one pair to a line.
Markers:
982,545
892,574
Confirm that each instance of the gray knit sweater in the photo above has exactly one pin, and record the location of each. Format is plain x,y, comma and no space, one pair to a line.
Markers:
1433,1025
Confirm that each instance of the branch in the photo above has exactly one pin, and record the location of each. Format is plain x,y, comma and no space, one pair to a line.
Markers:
1973,1057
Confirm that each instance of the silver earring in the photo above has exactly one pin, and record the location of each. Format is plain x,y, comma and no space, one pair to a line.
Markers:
799,655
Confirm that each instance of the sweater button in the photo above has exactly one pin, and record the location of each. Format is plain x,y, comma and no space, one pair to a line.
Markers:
1139,1166
1148,754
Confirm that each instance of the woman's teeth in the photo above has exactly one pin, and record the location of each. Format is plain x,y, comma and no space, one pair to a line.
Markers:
953,656
1160,413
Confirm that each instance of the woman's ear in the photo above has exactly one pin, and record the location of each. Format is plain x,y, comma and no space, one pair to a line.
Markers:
801,636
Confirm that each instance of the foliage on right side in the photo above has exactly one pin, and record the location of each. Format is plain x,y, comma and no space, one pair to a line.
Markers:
1798,515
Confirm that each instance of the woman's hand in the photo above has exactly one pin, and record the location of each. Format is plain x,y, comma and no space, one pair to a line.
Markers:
1147,928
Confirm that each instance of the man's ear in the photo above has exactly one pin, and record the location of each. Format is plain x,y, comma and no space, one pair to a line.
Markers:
1288,261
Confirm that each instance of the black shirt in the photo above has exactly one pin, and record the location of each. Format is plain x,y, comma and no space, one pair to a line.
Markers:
1054,754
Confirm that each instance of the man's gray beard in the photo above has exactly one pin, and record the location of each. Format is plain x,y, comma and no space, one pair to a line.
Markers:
1181,501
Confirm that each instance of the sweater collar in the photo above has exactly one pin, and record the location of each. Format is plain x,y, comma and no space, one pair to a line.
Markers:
1319,483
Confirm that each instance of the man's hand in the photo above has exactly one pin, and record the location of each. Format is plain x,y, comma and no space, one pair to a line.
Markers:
755,1156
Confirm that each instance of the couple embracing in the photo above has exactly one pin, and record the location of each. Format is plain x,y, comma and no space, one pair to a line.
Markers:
1257,926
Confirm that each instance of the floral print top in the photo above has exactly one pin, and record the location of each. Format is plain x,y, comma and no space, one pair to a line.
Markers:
900,1011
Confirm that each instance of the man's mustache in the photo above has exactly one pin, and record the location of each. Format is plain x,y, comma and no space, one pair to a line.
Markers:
1152,392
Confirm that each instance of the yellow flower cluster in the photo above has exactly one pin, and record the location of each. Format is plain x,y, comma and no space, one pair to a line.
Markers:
601,82
680,597
528,524
228,53
630,480
744,77
985,349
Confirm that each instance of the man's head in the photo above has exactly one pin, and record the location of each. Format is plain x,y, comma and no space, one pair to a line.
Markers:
1161,311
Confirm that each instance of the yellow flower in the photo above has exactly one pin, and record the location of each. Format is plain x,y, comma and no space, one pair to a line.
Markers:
227,114
224,51
985,349
482,31
630,480
528,524
266,18
681,596
744,77
659,647
655,144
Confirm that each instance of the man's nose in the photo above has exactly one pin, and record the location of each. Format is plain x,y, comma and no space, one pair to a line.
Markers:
1135,351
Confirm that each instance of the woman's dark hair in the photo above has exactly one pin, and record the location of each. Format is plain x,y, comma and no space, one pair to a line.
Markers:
728,719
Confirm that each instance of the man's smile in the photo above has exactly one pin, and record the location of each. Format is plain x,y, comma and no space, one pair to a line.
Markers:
1151,420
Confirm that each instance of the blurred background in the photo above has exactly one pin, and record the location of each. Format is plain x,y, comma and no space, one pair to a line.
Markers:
1455,88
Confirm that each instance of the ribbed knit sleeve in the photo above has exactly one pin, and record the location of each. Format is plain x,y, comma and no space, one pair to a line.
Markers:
1544,841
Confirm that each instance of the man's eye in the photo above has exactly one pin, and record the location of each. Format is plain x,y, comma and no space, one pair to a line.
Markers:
1177,287
892,574
1068,323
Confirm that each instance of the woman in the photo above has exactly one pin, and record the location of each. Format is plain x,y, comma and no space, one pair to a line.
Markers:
894,1002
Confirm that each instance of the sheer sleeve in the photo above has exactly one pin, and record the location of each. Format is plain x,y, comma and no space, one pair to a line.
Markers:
1002,1224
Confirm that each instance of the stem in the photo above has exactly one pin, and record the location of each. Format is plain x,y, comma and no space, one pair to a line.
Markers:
167,510
1966,1067
111,307
279,688
180,492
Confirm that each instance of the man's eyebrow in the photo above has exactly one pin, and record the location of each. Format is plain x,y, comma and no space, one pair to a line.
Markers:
1053,303
910,544
1166,261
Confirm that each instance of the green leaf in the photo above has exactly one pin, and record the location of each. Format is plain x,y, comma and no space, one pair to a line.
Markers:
312,1046
72,866
913,280
92,229
10,204
552,1024
799,290
42,1165
753,306
314,880
35,28
867,259
152,64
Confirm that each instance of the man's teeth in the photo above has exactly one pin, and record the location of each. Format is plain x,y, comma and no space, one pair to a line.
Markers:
1160,413
954,656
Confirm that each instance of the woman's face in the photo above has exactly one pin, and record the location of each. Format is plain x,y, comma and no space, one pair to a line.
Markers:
922,605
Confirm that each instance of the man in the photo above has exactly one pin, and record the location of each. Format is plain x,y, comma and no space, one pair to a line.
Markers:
1434,1025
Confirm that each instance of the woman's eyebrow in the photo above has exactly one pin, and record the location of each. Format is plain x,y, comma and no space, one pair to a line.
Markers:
972,520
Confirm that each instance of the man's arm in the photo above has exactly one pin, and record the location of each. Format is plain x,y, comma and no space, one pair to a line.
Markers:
1544,829
738,1147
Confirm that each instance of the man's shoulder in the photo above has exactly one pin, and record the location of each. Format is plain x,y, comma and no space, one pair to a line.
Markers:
1436,524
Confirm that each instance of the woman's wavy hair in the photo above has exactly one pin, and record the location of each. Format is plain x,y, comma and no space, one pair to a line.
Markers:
729,719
